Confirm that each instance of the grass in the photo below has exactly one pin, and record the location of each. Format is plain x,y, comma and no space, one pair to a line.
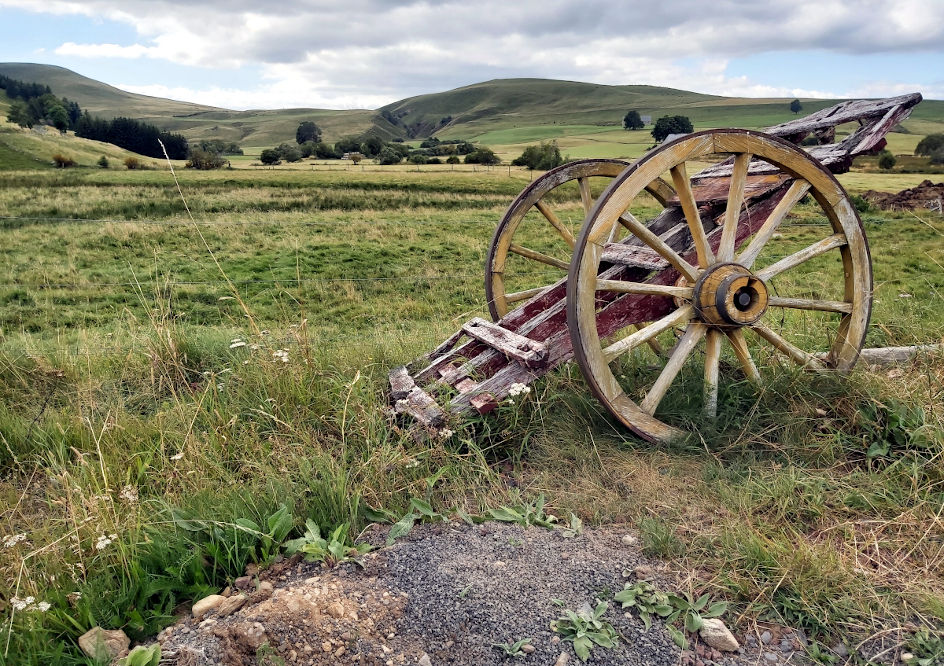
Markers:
130,406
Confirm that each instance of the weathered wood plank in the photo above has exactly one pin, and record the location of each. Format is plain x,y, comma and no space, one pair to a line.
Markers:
533,354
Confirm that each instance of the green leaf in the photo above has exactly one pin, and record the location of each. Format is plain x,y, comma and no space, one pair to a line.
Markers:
506,514
423,508
466,518
401,528
279,524
700,603
247,525
312,531
600,610
646,620
378,515
693,622
677,636
582,648
716,609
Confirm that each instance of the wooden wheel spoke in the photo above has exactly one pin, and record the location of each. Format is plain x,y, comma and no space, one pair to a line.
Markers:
585,196
556,223
624,287
538,256
690,207
797,191
733,211
683,314
693,334
658,245
739,344
525,295
810,304
712,367
799,356
797,258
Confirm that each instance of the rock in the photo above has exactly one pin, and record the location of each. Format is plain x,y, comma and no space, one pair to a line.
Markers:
231,605
840,650
629,540
206,604
339,652
906,657
252,569
424,661
562,659
527,648
104,644
243,583
766,637
716,634
771,657
335,610
264,592
249,635
644,572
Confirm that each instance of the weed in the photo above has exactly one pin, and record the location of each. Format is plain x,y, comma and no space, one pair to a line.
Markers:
526,515
142,656
649,601
585,628
659,539
420,510
513,649
332,550
926,648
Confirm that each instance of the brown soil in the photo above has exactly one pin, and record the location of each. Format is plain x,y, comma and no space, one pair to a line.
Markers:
925,195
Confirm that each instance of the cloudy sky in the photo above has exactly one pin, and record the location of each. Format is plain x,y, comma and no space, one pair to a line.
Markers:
364,53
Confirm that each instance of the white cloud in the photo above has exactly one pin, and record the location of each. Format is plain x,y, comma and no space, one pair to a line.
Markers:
367,52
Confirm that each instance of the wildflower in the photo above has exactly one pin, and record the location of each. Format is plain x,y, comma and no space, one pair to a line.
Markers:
43,606
518,389
104,541
413,462
13,539
73,598
220,386
177,456
446,433
254,347
236,343
280,355
129,494
21,604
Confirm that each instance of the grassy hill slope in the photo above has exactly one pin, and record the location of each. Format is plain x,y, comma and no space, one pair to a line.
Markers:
98,98
506,114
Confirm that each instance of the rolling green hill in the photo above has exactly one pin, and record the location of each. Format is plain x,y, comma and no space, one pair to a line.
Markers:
506,114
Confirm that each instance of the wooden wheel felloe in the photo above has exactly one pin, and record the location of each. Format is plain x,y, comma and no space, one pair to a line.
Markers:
729,274
534,239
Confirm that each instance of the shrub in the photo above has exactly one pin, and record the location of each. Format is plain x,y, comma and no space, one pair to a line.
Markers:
355,157
667,125
633,121
63,161
434,160
452,159
886,160
133,163
482,155
389,156
270,156
930,144
288,152
545,156
204,160
937,157
102,162
418,158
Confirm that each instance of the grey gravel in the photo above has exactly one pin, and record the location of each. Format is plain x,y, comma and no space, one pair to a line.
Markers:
765,637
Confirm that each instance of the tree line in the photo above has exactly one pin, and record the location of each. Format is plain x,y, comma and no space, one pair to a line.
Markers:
35,104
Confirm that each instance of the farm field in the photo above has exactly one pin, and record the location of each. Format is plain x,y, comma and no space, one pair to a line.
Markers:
162,378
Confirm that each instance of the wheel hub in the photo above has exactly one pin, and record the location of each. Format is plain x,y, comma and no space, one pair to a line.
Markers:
729,295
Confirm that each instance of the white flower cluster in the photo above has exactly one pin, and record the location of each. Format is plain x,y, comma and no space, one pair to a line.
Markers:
104,541
129,494
518,389
29,604
446,433
177,456
280,355
13,539
235,343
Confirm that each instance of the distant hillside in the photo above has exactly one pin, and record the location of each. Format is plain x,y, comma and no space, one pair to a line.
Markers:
97,97
506,113
499,103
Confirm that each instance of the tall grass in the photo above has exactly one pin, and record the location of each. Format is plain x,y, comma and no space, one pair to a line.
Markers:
136,401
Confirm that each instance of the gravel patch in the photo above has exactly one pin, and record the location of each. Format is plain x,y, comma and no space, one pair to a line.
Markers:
445,594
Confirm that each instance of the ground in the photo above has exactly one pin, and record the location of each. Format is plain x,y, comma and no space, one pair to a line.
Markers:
453,592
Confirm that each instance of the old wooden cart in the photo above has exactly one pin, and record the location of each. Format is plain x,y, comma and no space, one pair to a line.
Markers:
665,262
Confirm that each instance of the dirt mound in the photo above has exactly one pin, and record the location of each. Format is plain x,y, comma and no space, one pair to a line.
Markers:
445,595
925,195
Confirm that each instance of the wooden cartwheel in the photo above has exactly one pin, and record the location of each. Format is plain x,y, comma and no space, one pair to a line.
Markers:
667,272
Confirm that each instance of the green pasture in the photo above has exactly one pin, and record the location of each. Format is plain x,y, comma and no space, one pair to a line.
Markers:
162,378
